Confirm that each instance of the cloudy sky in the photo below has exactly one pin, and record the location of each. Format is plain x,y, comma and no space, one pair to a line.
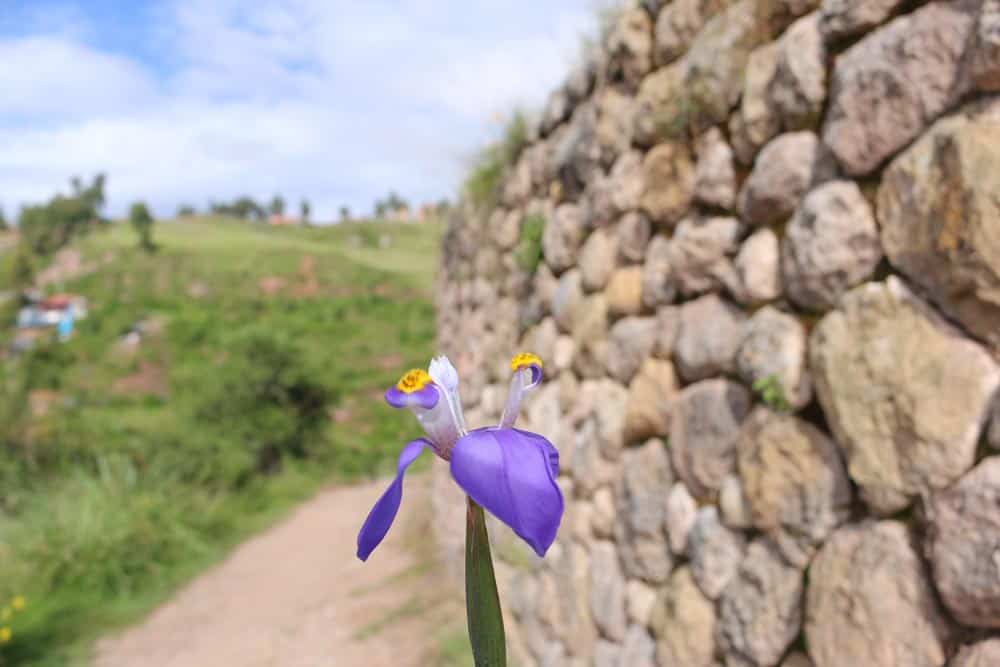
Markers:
183,101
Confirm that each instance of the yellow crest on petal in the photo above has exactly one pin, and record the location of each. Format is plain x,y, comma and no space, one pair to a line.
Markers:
523,360
414,380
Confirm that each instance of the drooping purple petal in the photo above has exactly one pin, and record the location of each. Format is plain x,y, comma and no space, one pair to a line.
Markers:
425,398
384,512
512,474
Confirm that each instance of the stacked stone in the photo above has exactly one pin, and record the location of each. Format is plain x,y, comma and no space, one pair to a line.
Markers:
799,193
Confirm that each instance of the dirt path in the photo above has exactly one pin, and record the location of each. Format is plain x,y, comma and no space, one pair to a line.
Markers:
296,596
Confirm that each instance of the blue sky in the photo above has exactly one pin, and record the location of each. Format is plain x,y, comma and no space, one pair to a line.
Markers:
183,101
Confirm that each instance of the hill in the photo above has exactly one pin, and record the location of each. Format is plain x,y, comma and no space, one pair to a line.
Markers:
213,384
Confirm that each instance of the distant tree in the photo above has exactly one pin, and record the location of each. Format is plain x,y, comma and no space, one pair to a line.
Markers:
304,209
345,214
142,222
3,220
48,227
22,270
277,206
187,211
442,208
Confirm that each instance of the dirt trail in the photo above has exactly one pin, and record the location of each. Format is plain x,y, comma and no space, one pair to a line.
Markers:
296,596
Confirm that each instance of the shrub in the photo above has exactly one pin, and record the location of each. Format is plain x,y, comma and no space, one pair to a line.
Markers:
482,184
770,391
529,249
142,223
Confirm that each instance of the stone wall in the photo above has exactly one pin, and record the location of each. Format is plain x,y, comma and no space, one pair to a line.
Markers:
769,310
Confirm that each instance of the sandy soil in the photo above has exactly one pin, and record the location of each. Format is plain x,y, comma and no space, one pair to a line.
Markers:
296,596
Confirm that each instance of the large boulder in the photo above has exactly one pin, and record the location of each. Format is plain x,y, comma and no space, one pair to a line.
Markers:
965,545
794,481
641,511
760,613
831,244
940,218
893,83
704,432
773,348
702,251
905,394
683,622
781,175
709,337
668,183
869,602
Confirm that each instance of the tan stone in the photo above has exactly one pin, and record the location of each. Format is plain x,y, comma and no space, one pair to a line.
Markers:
650,398
624,291
683,622
668,183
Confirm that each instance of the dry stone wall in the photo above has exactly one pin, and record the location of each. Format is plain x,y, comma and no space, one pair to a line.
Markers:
769,310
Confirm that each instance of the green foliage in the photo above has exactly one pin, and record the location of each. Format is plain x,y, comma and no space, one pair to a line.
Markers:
482,184
3,221
390,204
22,267
120,492
345,214
529,248
277,205
46,228
305,208
771,392
186,211
244,208
142,223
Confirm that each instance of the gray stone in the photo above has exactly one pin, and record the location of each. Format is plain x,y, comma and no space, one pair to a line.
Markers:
607,591
982,654
567,299
650,400
704,432
794,481
638,649
639,601
715,175
605,513
656,104
965,546
940,219
682,511
562,353
889,86
624,291
757,120
733,504
609,414
679,23
710,333
668,178
715,552
773,348
579,515
631,342
541,340
668,320
798,89
905,394
562,236
701,253
758,268
607,654
597,203
517,184
581,77
830,245
683,623
598,259
590,335
576,157
505,227
658,285
781,175
590,470
760,613
625,181
614,123
557,110
847,18
630,47
639,527
869,602
633,236
572,568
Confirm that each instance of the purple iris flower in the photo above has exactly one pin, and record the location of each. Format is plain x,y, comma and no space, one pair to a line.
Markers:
510,472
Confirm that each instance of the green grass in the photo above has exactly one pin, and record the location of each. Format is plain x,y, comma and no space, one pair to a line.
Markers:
151,464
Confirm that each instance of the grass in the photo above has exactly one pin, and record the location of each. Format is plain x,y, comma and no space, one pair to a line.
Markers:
260,382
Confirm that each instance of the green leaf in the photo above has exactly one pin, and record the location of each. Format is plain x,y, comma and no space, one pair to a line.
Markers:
481,599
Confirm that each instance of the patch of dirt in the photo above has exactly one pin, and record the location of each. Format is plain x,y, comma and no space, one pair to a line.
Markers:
150,380
296,596
41,401
197,290
271,285
67,264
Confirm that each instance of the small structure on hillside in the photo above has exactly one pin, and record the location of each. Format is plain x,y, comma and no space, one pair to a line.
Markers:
40,315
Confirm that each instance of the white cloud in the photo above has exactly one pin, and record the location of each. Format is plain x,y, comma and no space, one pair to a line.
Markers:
334,101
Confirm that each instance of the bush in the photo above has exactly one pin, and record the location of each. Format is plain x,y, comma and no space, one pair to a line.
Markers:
142,223
46,228
529,249
482,184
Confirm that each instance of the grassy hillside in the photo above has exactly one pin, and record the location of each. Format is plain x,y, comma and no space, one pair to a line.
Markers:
252,374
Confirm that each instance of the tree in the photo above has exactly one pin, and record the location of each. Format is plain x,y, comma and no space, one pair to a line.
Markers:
3,220
142,222
277,206
304,209
48,227
345,214
187,211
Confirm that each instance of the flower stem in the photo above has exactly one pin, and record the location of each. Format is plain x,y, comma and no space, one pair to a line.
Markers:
482,602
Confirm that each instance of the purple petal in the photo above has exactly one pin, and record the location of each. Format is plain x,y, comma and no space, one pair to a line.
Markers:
512,474
426,398
384,512
536,374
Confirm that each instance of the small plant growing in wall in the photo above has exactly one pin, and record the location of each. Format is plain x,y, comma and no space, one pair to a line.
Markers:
529,249
771,393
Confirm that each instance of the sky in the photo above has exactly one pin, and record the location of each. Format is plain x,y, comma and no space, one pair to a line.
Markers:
335,101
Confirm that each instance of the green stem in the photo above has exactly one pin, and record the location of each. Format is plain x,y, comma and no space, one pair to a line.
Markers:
482,602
